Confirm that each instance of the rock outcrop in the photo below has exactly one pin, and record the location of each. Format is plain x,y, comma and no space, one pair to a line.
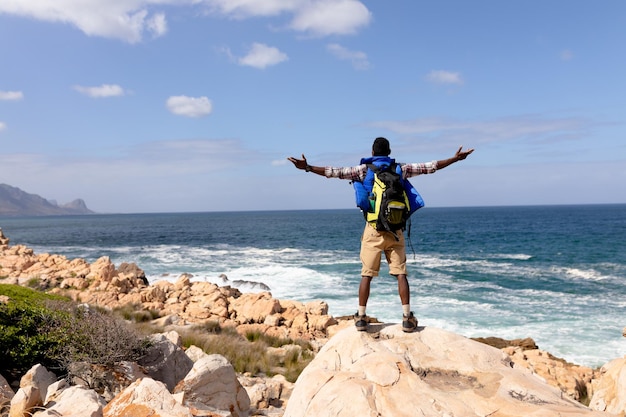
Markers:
145,397
209,388
610,389
103,284
383,371
213,385
33,391
388,373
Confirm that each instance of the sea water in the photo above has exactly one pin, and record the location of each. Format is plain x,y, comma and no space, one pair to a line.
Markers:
553,273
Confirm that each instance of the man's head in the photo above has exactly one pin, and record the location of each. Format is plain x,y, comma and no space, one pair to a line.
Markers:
381,147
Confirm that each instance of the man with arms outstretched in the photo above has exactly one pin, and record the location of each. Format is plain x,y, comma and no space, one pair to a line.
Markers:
373,241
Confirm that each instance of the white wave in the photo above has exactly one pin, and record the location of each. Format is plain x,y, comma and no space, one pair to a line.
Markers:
515,256
284,282
586,274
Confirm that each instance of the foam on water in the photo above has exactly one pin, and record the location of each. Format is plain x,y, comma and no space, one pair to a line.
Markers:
472,297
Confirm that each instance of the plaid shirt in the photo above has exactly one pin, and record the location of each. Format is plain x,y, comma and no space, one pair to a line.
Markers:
357,173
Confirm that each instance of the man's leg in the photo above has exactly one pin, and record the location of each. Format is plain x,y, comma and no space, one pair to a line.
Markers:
409,322
403,290
371,242
364,291
360,320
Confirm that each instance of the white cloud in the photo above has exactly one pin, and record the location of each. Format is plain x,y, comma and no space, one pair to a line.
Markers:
331,17
2,126
11,95
105,90
157,25
317,17
126,20
132,20
358,59
445,77
263,56
241,9
189,106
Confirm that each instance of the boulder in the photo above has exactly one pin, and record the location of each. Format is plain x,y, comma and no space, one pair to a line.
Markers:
75,401
145,397
32,393
266,393
610,389
316,307
389,373
206,300
195,353
165,361
212,385
573,380
131,270
102,269
253,308
54,389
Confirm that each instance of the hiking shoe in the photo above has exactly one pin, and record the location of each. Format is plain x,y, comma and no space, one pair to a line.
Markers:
360,322
409,323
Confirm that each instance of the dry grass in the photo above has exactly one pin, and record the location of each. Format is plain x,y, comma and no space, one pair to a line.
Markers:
249,353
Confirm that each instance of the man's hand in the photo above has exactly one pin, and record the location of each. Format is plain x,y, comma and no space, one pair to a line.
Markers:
299,163
460,154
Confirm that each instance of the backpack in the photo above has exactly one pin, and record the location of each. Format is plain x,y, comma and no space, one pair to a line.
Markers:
389,203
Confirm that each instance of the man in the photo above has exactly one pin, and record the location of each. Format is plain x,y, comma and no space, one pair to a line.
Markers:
374,242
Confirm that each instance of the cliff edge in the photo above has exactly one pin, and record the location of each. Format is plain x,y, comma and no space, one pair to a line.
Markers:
385,372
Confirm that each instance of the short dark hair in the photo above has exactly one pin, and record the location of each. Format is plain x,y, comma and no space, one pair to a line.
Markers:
381,147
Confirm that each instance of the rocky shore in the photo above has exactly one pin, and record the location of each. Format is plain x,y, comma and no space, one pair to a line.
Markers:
189,382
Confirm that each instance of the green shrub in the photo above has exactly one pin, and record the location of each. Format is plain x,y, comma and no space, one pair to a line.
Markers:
95,336
40,328
50,330
21,294
25,330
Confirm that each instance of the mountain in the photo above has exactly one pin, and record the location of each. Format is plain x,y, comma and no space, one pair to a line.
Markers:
15,202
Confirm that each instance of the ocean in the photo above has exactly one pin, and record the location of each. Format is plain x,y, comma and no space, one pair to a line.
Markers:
553,273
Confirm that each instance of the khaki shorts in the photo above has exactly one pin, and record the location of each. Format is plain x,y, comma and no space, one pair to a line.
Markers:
374,243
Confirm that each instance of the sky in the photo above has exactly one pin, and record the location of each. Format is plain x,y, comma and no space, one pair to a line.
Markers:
141,106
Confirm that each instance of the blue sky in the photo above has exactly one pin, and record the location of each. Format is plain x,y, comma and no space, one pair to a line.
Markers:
194,105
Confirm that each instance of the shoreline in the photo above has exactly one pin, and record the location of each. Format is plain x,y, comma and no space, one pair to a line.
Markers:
104,284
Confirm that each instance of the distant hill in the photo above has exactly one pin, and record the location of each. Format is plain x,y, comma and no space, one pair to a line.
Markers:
15,202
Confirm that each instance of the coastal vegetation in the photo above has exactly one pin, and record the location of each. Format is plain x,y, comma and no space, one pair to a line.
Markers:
254,352
36,327
40,328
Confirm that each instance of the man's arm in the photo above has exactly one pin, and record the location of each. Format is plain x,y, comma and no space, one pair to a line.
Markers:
356,173
458,156
303,164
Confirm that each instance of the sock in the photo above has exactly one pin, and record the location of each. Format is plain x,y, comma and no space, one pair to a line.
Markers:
361,311
406,309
